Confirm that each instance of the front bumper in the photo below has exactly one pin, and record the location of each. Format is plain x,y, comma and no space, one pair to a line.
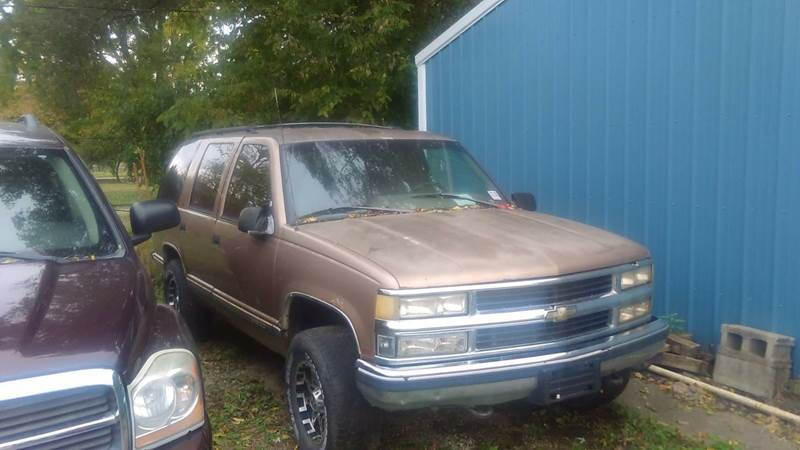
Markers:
199,439
500,380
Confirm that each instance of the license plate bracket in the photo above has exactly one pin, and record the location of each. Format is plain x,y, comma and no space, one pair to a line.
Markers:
568,381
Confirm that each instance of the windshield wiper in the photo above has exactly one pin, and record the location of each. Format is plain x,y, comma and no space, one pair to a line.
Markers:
27,256
347,209
454,196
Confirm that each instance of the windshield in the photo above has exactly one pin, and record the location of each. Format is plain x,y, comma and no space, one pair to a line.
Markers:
45,211
336,179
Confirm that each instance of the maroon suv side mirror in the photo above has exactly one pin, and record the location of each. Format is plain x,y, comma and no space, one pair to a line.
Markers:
150,216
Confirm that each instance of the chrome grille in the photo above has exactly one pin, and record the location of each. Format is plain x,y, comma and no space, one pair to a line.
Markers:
533,296
541,332
74,410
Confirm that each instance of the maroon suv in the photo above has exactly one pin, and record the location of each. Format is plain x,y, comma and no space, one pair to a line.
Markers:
87,358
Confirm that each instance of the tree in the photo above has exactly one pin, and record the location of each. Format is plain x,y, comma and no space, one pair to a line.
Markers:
125,80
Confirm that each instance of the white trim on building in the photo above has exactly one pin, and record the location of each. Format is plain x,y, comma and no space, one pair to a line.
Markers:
422,98
443,40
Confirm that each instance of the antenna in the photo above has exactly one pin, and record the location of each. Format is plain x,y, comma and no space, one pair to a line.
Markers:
278,108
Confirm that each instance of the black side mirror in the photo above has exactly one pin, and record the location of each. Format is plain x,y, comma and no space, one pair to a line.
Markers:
257,221
150,216
524,200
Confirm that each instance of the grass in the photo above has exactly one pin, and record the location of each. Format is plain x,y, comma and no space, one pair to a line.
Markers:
246,403
124,194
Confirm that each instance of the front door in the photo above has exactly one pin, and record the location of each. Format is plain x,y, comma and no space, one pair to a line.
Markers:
249,261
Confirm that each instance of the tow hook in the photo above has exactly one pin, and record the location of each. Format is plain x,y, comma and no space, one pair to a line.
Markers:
481,412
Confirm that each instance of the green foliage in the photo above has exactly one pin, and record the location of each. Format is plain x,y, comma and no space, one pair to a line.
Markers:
675,323
126,79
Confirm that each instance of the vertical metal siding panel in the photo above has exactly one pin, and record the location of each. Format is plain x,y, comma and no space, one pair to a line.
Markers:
597,117
786,244
615,155
707,73
577,122
673,122
678,265
561,130
635,148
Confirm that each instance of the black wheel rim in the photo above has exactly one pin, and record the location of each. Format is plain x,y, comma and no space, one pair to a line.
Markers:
310,402
171,293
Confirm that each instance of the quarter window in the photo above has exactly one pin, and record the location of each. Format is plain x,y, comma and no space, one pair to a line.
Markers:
249,182
209,176
172,182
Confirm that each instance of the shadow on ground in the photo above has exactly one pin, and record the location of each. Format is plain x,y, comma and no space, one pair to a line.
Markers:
246,403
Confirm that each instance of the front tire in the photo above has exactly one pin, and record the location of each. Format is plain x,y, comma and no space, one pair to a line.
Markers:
176,295
326,408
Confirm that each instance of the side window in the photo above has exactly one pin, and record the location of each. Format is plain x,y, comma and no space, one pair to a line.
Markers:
175,173
209,176
249,182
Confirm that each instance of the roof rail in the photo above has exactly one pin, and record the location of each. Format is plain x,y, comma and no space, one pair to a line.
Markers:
30,122
252,128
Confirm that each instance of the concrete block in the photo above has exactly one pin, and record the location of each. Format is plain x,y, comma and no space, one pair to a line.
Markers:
754,361
756,345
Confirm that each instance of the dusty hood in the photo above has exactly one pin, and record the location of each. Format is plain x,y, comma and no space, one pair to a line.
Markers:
58,317
476,246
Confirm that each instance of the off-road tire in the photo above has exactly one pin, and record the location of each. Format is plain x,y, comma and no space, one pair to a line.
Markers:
329,352
177,295
612,387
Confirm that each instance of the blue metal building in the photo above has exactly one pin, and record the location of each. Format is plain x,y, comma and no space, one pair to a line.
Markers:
673,122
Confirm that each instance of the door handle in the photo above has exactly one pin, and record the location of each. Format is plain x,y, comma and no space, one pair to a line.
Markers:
215,239
182,226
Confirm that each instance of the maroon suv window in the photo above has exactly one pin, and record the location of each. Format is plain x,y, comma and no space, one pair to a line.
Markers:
249,184
209,176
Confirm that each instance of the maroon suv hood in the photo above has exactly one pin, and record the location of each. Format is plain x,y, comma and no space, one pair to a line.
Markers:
65,316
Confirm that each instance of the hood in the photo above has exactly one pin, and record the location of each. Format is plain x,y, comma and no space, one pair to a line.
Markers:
476,245
57,317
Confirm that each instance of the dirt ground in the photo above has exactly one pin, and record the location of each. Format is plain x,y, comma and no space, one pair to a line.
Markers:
698,413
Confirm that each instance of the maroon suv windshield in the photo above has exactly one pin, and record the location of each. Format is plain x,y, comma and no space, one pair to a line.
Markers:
325,178
45,210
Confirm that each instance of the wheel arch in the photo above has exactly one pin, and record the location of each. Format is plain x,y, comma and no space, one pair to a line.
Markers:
302,311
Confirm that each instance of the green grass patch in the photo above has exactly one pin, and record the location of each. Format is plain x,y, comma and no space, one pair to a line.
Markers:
121,194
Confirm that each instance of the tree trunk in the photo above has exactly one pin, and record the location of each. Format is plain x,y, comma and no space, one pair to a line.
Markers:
144,179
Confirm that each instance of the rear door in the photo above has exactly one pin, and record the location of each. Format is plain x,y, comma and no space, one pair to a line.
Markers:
197,238
248,262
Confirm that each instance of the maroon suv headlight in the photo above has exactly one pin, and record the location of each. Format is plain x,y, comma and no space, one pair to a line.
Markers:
166,398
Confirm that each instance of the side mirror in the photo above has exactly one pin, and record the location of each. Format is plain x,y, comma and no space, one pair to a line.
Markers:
257,221
524,200
150,216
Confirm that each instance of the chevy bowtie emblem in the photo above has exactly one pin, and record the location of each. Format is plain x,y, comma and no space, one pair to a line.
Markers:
560,313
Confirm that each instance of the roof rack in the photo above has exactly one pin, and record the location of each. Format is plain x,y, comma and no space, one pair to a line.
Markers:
30,122
253,128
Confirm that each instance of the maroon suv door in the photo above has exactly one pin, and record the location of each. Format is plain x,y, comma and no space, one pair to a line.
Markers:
248,261
197,240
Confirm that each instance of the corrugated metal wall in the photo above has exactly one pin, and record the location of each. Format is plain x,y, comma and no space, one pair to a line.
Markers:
676,123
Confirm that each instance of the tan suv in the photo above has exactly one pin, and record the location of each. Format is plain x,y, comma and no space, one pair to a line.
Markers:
392,272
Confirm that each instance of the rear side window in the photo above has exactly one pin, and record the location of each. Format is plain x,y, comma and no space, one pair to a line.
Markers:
209,176
175,173
249,182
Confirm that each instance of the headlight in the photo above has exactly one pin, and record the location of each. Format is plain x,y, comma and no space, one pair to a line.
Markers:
389,308
166,398
423,345
635,310
636,277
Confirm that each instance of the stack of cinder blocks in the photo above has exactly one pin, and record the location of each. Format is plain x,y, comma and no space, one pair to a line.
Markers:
754,361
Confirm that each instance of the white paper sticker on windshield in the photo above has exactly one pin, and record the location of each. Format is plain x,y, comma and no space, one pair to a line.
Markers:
494,195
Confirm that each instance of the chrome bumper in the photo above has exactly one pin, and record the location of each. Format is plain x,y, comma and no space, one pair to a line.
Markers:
500,380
